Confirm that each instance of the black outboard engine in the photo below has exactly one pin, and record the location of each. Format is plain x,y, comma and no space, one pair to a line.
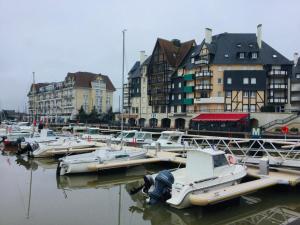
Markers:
162,187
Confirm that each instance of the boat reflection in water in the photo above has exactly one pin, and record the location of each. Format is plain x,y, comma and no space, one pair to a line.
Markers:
248,210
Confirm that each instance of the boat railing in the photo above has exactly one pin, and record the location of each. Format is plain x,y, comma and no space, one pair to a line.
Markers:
281,152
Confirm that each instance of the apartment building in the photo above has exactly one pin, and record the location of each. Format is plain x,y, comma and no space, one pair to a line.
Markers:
295,85
60,101
227,72
138,103
237,72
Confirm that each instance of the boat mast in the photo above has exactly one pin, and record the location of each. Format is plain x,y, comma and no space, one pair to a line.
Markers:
34,103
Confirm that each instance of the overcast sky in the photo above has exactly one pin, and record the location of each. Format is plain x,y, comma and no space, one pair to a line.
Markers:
54,37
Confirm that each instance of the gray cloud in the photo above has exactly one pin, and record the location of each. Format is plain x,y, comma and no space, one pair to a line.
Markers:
53,37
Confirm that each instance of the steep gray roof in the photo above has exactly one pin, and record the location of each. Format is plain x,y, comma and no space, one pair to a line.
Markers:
230,44
135,71
233,43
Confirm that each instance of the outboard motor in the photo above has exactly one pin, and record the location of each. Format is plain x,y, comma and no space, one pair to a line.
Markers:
27,149
162,187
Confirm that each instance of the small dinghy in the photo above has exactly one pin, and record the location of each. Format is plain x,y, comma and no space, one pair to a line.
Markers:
80,163
206,170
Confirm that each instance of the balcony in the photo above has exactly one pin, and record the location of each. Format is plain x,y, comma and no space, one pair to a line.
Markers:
207,73
188,101
277,100
213,100
295,87
188,77
188,89
277,73
278,86
202,62
295,99
203,87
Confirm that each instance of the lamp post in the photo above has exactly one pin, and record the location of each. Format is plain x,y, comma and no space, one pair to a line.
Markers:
123,62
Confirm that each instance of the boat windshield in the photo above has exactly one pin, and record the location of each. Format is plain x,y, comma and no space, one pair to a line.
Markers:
50,133
130,135
140,135
164,136
92,131
220,160
120,135
174,138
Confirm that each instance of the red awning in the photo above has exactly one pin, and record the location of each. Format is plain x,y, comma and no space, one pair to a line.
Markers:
232,117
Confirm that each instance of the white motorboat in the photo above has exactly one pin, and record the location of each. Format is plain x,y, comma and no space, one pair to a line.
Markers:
170,141
206,170
93,134
125,136
62,144
80,163
15,134
45,136
141,138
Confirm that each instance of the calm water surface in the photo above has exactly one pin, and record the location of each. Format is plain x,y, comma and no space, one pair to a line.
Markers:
31,194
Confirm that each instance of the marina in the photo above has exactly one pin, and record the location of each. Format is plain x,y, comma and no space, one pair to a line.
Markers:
31,187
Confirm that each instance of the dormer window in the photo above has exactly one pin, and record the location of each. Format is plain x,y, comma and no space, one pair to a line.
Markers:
242,55
274,56
226,55
254,55
251,45
239,45
298,76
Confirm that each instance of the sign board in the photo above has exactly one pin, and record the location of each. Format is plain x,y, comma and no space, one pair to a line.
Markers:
256,132
285,129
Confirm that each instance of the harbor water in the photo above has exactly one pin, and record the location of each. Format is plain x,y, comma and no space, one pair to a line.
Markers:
32,194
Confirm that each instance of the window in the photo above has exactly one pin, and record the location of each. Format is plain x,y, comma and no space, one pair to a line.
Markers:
245,94
254,55
245,108
226,55
253,80
245,80
179,84
172,97
298,75
228,94
241,55
228,107
193,60
252,108
252,94
229,80
220,160
179,96
219,94
219,80
173,85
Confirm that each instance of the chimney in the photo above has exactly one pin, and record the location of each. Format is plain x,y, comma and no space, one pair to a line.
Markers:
142,57
258,35
208,35
296,58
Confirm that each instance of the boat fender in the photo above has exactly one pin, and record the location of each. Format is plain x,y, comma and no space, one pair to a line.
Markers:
162,187
231,159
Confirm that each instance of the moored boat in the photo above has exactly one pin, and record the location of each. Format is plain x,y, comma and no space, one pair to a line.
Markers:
80,163
206,170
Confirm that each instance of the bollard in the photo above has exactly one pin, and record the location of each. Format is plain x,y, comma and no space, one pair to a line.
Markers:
264,166
157,149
